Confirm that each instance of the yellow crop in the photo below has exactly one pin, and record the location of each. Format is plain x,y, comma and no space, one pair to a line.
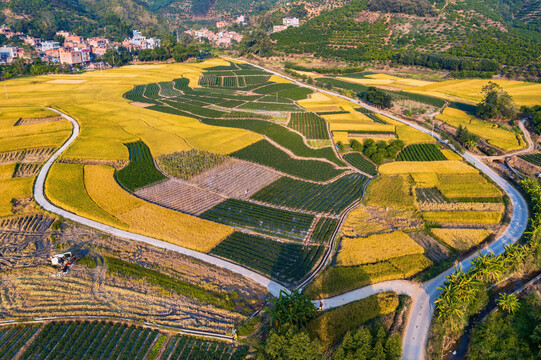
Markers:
425,179
450,154
470,185
463,217
410,265
15,188
440,167
390,191
361,127
149,219
504,139
279,80
6,171
376,248
461,239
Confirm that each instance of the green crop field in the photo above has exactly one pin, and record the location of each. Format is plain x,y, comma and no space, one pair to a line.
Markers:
186,348
13,338
263,219
421,152
310,125
264,153
140,171
329,198
532,158
284,262
360,162
324,229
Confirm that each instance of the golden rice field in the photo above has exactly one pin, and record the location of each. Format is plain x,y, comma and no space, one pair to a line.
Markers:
387,81
106,127
450,154
425,179
390,191
504,139
15,188
523,93
463,217
461,239
470,185
440,167
376,248
279,80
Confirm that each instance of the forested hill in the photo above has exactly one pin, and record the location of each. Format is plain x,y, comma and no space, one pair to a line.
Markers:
449,34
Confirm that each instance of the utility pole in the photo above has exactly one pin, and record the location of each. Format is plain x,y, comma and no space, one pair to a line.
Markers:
6,90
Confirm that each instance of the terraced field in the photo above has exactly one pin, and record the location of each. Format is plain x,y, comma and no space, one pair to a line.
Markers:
361,163
421,152
284,262
532,158
310,125
262,219
330,198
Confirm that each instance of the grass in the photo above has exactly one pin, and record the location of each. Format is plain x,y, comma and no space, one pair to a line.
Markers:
504,139
265,153
140,171
390,191
461,239
360,162
440,167
284,262
329,198
265,220
463,217
149,219
421,152
330,327
376,248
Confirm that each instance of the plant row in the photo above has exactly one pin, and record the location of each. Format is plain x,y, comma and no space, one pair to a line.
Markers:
187,164
186,348
285,262
13,338
310,125
141,170
263,219
322,198
421,152
532,158
360,162
323,230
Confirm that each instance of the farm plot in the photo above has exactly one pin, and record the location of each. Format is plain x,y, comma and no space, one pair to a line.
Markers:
27,223
140,171
532,158
167,89
235,178
430,195
360,162
310,125
461,239
466,186
421,152
26,170
13,338
91,340
263,219
324,230
181,196
187,164
284,262
186,348
264,153
330,198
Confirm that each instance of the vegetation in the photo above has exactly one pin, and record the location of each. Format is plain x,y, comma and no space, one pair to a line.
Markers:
461,239
331,326
421,152
310,125
532,158
377,97
293,308
361,163
290,344
140,171
285,262
378,152
187,164
263,219
265,153
497,103
324,230
331,198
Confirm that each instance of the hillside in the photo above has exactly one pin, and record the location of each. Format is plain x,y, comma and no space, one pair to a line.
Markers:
506,32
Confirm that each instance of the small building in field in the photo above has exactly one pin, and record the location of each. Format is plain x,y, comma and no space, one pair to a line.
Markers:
290,21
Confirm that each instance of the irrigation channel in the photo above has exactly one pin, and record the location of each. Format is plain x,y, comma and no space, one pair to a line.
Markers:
422,295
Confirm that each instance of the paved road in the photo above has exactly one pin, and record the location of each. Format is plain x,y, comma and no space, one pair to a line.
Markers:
424,295
273,287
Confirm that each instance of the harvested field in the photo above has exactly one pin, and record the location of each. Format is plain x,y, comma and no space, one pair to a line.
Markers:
364,221
30,121
429,195
236,178
31,155
433,249
461,239
26,170
180,195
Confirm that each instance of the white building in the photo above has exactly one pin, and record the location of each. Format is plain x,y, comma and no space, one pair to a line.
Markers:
290,21
49,45
8,53
141,42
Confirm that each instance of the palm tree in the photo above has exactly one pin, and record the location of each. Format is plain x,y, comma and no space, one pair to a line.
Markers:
508,302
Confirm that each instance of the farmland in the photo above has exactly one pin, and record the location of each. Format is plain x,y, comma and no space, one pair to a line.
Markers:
310,125
361,163
140,171
284,262
421,152
532,158
330,198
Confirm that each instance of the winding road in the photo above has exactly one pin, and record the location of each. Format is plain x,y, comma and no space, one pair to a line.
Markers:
422,295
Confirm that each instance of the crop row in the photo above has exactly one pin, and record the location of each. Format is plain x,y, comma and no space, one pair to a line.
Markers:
140,171
152,91
324,229
263,219
187,164
185,348
282,261
360,162
430,195
371,115
310,125
167,89
13,338
90,340
34,223
264,153
323,198
532,158
421,152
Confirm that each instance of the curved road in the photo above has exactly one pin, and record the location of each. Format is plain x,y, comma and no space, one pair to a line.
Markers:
422,295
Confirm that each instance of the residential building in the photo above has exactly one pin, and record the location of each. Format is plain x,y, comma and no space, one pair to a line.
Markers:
32,41
290,21
49,45
277,28
74,57
222,24
8,53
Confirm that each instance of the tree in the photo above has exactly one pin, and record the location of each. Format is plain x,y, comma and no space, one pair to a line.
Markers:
292,345
497,103
256,42
508,302
293,308
378,97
